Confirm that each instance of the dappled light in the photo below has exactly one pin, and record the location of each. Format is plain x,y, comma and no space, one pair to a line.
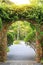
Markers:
20,2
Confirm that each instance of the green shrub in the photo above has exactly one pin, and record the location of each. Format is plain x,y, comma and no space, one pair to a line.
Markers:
16,42
30,37
10,38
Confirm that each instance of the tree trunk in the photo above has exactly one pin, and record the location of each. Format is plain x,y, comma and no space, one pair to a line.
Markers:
3,44
38,48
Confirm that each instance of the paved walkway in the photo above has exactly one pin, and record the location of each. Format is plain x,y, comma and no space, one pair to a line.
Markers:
20,63
20,55
21,52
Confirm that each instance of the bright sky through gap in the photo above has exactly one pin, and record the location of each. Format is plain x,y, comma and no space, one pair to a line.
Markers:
20,2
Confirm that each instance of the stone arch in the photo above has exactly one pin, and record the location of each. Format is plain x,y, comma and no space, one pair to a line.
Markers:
3,41
24,13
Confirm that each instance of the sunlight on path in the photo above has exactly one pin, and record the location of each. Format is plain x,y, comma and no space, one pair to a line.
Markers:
21,52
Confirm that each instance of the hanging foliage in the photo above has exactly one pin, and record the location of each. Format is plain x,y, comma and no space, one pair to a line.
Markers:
9,13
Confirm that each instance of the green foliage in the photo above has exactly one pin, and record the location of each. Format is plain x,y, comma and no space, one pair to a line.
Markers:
32,26
41,33
6,1
37,2
9,13
42,44
10,38
0,24
30,37
23,27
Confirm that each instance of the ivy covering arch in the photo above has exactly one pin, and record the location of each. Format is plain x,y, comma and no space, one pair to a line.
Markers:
12,13
9,13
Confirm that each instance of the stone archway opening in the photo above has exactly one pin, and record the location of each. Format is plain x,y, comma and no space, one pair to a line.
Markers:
5,41
23,51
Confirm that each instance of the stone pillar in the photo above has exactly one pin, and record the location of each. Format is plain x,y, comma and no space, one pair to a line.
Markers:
38,48
3,41
3,44
41,28
0,44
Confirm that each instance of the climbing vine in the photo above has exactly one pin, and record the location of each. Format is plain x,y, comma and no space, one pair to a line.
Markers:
9,13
